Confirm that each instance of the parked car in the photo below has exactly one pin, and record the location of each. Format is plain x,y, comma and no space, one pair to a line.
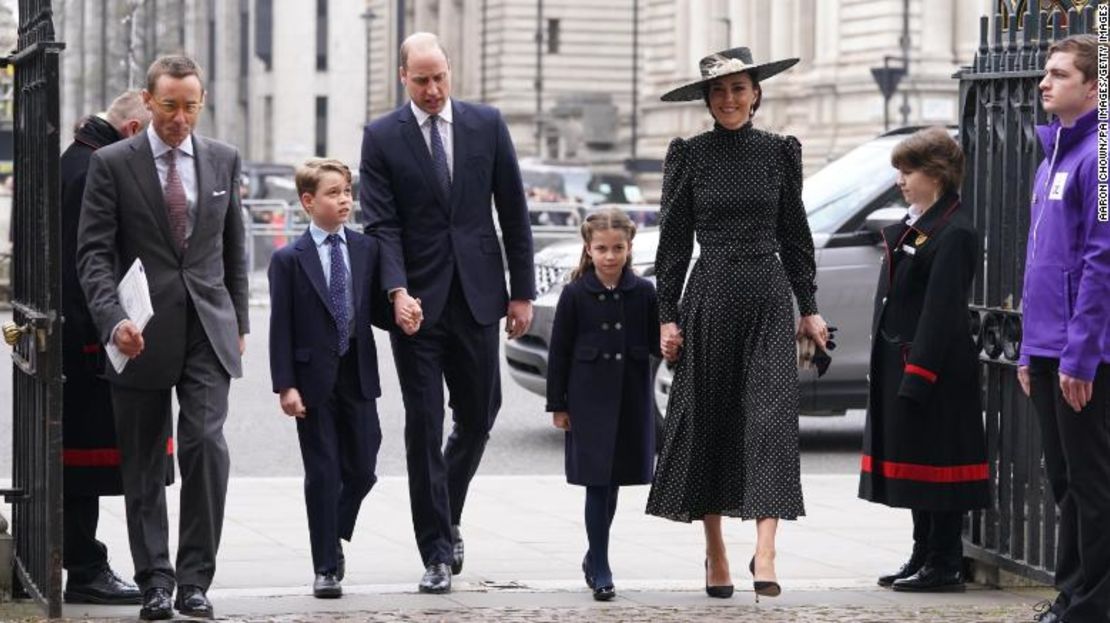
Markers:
550,183
848,202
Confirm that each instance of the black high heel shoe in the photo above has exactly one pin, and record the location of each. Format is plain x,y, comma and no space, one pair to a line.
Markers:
723,591
763,587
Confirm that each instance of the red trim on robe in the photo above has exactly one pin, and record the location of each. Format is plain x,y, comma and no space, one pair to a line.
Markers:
925,473
99,457
928,375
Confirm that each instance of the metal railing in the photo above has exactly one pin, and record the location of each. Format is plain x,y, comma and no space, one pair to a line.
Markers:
1000,106
35,335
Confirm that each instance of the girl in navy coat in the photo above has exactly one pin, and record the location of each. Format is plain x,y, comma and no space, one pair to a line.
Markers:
599,380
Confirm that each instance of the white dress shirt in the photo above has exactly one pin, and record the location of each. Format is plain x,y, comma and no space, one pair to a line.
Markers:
912,215
444,125
186,170
320,238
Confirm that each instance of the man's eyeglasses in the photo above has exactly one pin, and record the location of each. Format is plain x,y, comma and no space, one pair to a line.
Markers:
171,108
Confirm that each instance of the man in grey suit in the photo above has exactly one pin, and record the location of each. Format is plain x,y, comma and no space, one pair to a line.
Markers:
170,198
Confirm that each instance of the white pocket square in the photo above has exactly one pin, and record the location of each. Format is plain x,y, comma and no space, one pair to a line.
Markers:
218,193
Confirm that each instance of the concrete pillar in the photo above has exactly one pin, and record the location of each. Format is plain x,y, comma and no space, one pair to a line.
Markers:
827,32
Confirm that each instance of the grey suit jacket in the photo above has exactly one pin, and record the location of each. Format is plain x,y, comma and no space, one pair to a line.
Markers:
123,216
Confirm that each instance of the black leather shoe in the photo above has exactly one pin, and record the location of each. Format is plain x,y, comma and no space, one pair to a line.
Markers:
326,586
192,602
157,605
104,588
340,563
436,580
911,566
930,579
457,551
604,593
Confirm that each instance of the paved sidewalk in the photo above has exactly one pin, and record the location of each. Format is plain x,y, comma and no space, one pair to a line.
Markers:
525,540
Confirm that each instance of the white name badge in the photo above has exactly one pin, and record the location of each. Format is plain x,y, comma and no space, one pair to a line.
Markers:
908,249
1058,183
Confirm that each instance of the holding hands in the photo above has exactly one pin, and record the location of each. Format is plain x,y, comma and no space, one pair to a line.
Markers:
407,312
670,341
815,328
518,318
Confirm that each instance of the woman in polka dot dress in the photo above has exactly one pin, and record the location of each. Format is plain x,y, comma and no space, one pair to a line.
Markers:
731,437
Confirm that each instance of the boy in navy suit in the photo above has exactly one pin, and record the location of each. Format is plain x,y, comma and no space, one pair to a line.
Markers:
325,291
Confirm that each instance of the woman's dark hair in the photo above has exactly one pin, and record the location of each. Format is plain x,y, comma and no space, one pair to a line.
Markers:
933,152
755,87
603,219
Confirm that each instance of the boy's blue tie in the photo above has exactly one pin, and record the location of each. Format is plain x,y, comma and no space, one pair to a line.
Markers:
337,292
439,157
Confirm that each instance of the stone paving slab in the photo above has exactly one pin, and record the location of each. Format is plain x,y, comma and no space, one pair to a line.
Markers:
848,606
524,545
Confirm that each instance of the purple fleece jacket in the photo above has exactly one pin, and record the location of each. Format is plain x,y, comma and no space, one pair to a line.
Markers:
1067,260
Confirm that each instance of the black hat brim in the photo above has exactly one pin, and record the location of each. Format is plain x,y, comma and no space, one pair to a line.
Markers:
696,90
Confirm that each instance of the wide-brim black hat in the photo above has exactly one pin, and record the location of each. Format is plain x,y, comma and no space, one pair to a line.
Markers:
726,63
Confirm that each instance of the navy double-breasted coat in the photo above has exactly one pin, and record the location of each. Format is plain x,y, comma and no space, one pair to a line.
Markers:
599,371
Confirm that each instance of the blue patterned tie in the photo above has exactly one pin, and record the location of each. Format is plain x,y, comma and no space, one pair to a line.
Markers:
439,156
337,292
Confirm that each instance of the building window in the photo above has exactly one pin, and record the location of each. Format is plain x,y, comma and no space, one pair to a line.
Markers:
268,128
553,26
264,32
321,35
321,126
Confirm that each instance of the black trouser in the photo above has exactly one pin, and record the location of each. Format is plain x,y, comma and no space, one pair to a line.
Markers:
82,555
1077,459
339,442
142,428
458,350
936,534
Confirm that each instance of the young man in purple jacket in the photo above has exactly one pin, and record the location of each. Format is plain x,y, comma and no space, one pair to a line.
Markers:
1065,354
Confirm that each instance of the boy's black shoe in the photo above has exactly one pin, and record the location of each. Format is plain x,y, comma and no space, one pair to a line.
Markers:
327,586
436,580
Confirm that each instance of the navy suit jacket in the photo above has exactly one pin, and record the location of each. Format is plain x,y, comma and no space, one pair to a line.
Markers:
304,339
429,236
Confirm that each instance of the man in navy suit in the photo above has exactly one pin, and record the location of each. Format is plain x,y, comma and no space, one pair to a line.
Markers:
429,170
325,289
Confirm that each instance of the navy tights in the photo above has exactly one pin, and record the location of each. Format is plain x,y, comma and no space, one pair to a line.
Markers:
601,505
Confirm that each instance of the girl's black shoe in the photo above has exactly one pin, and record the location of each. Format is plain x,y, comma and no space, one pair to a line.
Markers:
586,570
721,592
604,593
763,587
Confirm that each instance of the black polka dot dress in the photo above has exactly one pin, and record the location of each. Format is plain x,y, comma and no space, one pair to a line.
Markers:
731,435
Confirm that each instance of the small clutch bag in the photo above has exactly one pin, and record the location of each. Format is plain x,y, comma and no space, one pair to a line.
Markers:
811,356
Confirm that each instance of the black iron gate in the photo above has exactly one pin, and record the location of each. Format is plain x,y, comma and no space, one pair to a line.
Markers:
35,334
1000,106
